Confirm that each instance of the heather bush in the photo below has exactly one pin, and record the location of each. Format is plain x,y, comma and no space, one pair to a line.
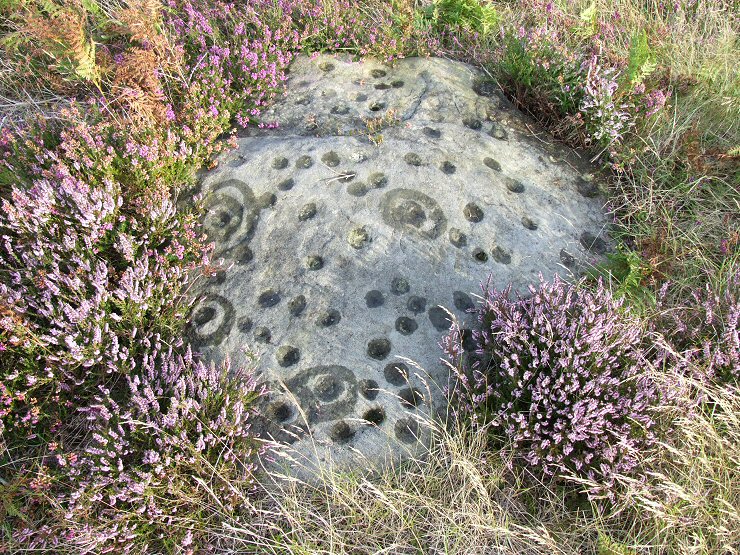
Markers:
80,279
175,436
88,297
561,374
702,335
562,67
101,420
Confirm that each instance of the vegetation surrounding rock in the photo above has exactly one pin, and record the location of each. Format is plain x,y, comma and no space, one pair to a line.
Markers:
114,437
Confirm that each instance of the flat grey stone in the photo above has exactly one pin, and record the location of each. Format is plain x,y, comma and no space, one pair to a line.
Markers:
333,287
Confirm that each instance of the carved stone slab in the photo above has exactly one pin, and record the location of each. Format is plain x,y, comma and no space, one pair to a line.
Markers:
381,202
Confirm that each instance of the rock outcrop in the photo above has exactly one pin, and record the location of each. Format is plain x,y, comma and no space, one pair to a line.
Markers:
355,230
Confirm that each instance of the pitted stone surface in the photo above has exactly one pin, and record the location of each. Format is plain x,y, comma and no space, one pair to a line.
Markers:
345,258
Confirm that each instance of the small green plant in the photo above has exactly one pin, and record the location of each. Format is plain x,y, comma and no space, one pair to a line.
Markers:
608,546
589,21
641,61
539,76
471,15
627,272
375,126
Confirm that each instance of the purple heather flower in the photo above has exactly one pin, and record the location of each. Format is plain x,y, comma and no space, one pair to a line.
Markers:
560,373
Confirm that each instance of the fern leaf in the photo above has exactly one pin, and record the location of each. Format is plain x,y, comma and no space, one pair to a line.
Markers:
11,510
86,67
49,7
589,17
92,7
641,63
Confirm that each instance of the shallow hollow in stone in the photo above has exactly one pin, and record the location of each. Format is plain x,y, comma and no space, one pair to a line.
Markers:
407,430
329,318
341,432
358,237
268,298
297,305
287,355
473,212
375,415
416,304
406,325
374,299
279,411
410,397
369,389
396,373
400,286
378,348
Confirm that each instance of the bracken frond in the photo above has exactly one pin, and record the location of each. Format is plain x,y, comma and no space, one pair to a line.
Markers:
61,33
140,20
137,87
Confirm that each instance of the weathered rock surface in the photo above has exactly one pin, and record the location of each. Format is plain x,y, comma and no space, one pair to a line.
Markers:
385,194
